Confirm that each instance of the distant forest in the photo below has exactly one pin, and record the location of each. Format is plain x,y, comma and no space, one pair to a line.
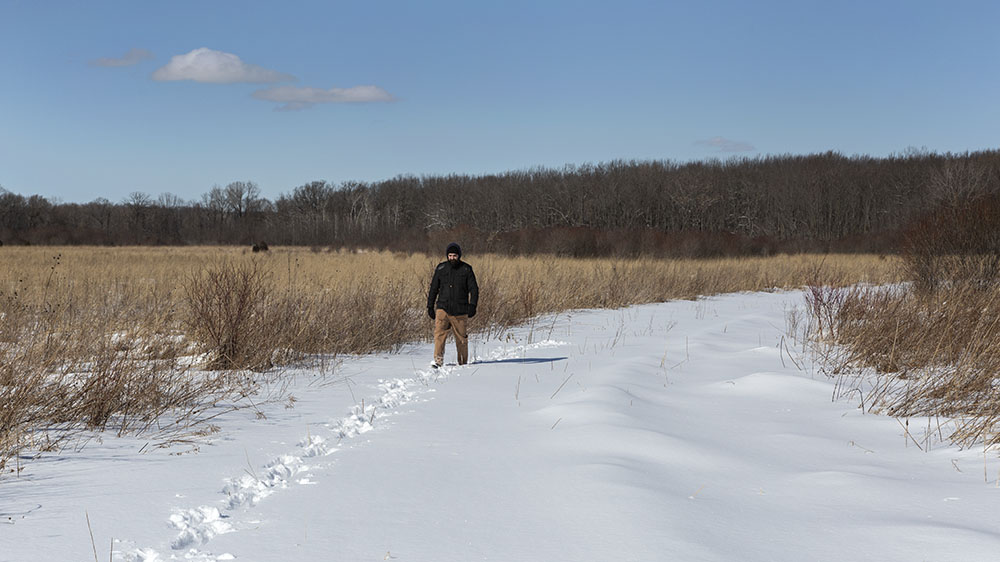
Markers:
743,206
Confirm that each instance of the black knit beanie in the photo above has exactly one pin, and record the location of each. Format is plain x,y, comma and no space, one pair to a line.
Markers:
454,248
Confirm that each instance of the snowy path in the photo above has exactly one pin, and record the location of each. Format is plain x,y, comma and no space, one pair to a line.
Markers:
675,431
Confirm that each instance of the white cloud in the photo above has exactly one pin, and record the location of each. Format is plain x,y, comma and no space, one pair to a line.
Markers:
727,145
294,98
216,67
131,58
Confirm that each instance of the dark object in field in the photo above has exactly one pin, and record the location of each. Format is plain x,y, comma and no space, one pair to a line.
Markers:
260,247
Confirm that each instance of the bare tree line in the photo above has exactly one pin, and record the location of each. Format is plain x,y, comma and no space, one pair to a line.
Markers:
818,202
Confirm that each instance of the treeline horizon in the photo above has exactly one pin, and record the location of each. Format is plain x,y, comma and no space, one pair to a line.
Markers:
742,206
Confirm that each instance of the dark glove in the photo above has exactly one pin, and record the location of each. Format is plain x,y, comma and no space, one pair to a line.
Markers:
430,312
472,311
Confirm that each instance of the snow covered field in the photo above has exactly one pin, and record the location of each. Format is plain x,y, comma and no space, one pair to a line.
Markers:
674,431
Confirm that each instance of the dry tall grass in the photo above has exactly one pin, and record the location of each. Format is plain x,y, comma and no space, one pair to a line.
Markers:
931,353
102,337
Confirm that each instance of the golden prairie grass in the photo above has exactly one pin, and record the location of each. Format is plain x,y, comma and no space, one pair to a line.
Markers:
103,337
143,290
106,276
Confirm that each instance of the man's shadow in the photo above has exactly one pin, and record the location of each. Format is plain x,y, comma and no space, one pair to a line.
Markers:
524,361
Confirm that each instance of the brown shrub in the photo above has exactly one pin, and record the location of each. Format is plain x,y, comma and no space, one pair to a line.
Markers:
231,310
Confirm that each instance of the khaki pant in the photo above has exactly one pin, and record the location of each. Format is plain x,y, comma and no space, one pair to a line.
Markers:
444,323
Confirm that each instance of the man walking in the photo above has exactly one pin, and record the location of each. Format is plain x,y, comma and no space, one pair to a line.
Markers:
452,300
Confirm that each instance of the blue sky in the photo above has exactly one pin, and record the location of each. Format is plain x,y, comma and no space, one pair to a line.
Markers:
101,99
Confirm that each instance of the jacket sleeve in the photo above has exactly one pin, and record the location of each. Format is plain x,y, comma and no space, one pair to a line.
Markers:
473,288
433,292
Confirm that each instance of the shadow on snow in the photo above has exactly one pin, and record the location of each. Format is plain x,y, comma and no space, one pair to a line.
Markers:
524,361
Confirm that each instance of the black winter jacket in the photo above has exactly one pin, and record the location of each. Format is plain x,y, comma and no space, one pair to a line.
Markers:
453,289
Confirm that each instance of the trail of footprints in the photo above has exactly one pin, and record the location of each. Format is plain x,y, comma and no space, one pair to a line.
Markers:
197,526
